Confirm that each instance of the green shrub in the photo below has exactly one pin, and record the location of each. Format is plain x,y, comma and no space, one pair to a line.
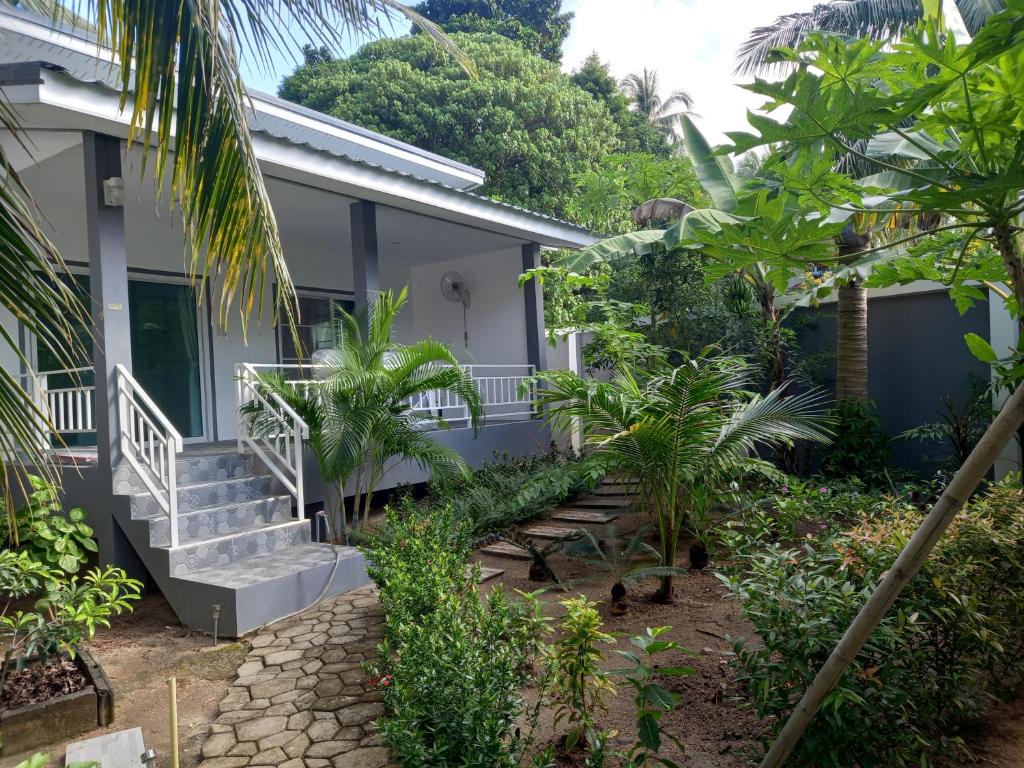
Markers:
860,448
46,532
417,558
451,683
509,491
451,665
926,669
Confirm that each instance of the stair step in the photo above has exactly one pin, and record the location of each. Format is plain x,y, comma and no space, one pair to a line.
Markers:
550,532
205,495
214,522
584,516
213,467
623,481
614,490
504,549
250,545
292,561
486,574
602,502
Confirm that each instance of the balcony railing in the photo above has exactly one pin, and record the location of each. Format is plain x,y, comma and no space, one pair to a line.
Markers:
66,400
502,389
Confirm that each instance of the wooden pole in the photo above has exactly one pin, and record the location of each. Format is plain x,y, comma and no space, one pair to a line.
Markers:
907,564
172,689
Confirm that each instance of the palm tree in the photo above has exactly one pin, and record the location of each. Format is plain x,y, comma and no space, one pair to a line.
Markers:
642,91
685,433
185,55
358,408
876,19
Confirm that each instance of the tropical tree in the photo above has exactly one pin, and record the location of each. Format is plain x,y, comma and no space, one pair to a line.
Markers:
685,433
185,55
872,19
643,92
875,20
359,406
522,120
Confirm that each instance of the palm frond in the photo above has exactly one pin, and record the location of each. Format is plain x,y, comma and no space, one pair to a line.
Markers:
876,19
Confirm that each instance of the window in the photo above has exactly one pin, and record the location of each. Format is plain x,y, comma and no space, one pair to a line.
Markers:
317,329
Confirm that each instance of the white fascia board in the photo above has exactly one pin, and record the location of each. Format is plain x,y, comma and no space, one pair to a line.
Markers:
71,104
352,179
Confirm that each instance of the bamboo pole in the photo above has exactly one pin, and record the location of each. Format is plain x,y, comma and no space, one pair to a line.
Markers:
907,564
172,691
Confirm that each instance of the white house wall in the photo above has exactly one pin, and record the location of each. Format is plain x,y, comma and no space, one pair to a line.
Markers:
497,330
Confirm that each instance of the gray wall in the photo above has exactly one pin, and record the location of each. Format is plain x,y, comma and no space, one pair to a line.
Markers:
916,357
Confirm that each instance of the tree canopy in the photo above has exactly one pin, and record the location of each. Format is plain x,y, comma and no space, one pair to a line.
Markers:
539,25
522,120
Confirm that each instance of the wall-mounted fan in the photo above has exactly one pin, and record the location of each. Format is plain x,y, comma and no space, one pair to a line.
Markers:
454,288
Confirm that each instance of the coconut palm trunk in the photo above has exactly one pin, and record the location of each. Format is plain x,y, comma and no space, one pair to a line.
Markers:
852,343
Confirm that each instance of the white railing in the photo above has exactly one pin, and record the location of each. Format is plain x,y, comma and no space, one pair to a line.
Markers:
69,409
150,444
501,388
280,443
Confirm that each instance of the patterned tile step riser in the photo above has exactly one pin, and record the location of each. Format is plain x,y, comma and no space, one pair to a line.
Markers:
252,544
192,498
194,470
221,521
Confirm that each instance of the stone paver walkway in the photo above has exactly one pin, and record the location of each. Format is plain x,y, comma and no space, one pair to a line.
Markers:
302,697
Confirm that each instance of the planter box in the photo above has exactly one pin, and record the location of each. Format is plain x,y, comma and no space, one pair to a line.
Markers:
61,718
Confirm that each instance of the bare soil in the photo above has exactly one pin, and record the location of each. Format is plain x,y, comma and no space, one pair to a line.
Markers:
139,652
713,721
710,721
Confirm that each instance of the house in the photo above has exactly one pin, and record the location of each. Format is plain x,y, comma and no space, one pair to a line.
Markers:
172,485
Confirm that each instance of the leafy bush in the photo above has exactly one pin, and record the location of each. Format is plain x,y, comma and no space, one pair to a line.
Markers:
509,491
580,682
926,669
451,683
42,529
451,665
67,611
417,559
860,448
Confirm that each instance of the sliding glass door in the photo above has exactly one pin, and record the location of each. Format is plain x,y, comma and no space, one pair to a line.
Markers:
167,357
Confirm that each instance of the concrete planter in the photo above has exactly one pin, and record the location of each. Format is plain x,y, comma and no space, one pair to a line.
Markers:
64,717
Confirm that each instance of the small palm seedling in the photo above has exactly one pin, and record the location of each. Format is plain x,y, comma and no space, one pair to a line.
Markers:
627,558
540,568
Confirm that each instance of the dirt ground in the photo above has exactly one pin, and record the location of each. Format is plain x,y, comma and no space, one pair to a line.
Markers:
715,730
139,653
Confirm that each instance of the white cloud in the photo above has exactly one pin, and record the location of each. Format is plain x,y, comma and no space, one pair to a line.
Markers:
691,43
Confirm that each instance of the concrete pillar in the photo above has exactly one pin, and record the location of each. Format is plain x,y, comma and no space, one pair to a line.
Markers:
365,253
112,341
533,292
108,285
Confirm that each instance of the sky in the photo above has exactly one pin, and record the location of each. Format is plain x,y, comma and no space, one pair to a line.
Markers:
691,43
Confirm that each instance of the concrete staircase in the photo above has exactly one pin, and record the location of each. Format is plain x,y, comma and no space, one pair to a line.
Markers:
241,545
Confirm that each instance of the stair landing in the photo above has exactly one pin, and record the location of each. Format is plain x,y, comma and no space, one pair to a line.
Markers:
242,548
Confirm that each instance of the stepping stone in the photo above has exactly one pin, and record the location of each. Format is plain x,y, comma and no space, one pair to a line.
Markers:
549,532
486,574
603,502
585,516
614,490
625,481
504,549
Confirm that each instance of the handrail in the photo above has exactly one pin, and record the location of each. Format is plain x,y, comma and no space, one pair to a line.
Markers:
282,449
150,444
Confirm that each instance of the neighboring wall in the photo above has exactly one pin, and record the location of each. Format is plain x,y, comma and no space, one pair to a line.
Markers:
916,357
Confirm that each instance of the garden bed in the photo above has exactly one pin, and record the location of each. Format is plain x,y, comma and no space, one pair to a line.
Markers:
59,698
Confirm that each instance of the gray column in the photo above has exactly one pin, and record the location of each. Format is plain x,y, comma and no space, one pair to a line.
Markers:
365,256
108,285
536,343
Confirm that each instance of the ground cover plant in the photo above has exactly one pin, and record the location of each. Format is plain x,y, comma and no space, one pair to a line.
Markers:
950,646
